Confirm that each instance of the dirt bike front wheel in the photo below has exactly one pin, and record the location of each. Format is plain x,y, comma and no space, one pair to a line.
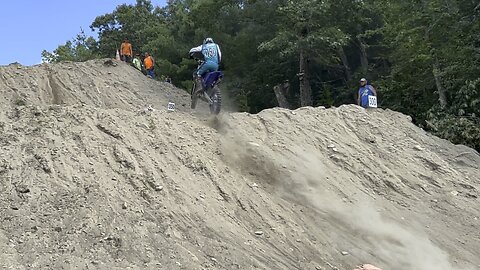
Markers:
216,101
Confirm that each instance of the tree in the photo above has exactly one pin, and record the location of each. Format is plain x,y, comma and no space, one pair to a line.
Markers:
140,23
307,30
81,48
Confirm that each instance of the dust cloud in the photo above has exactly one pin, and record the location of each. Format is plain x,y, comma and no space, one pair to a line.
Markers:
357,218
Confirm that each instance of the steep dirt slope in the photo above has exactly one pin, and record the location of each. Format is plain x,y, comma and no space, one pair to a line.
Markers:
97,182
385,189
101,83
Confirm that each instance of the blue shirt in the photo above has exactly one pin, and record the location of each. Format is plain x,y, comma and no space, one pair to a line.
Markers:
363,93
211,53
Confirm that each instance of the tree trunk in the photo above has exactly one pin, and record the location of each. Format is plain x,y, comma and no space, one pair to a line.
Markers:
363,57
281,91
305,88
442,93
343,56
363,51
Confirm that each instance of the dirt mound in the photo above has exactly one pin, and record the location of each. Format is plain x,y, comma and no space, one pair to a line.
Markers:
102,83
97,182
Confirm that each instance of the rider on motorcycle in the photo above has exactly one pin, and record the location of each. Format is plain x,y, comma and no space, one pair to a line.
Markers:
211,54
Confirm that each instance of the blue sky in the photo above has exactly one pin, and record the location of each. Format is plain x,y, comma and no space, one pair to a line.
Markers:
30,26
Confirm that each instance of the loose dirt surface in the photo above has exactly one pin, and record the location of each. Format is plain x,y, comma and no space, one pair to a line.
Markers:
91,177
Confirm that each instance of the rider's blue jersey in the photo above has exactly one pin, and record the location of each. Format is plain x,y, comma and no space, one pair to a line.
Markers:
210,53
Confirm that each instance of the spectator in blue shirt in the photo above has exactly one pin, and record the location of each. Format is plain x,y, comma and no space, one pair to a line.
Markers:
365,91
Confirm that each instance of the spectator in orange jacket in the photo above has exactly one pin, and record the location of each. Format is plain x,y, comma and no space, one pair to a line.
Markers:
149,64
126,51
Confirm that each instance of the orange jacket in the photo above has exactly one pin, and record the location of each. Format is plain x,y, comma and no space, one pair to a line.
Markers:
126,49
148,62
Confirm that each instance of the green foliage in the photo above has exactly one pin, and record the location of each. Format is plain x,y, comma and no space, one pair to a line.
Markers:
461,123
459,130
81,48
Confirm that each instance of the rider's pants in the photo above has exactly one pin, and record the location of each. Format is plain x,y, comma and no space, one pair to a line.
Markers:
207,67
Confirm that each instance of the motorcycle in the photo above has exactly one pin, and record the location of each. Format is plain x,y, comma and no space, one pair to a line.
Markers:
209,92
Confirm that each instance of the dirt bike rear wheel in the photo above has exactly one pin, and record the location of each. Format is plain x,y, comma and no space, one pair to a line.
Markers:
217,101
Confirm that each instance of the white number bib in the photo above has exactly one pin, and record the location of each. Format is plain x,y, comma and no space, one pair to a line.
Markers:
171,107
372,101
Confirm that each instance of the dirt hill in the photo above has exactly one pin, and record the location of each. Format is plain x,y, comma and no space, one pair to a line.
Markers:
90,178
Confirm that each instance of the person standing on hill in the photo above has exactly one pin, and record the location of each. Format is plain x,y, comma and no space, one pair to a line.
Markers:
149,64
364,92
136,62
126,51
